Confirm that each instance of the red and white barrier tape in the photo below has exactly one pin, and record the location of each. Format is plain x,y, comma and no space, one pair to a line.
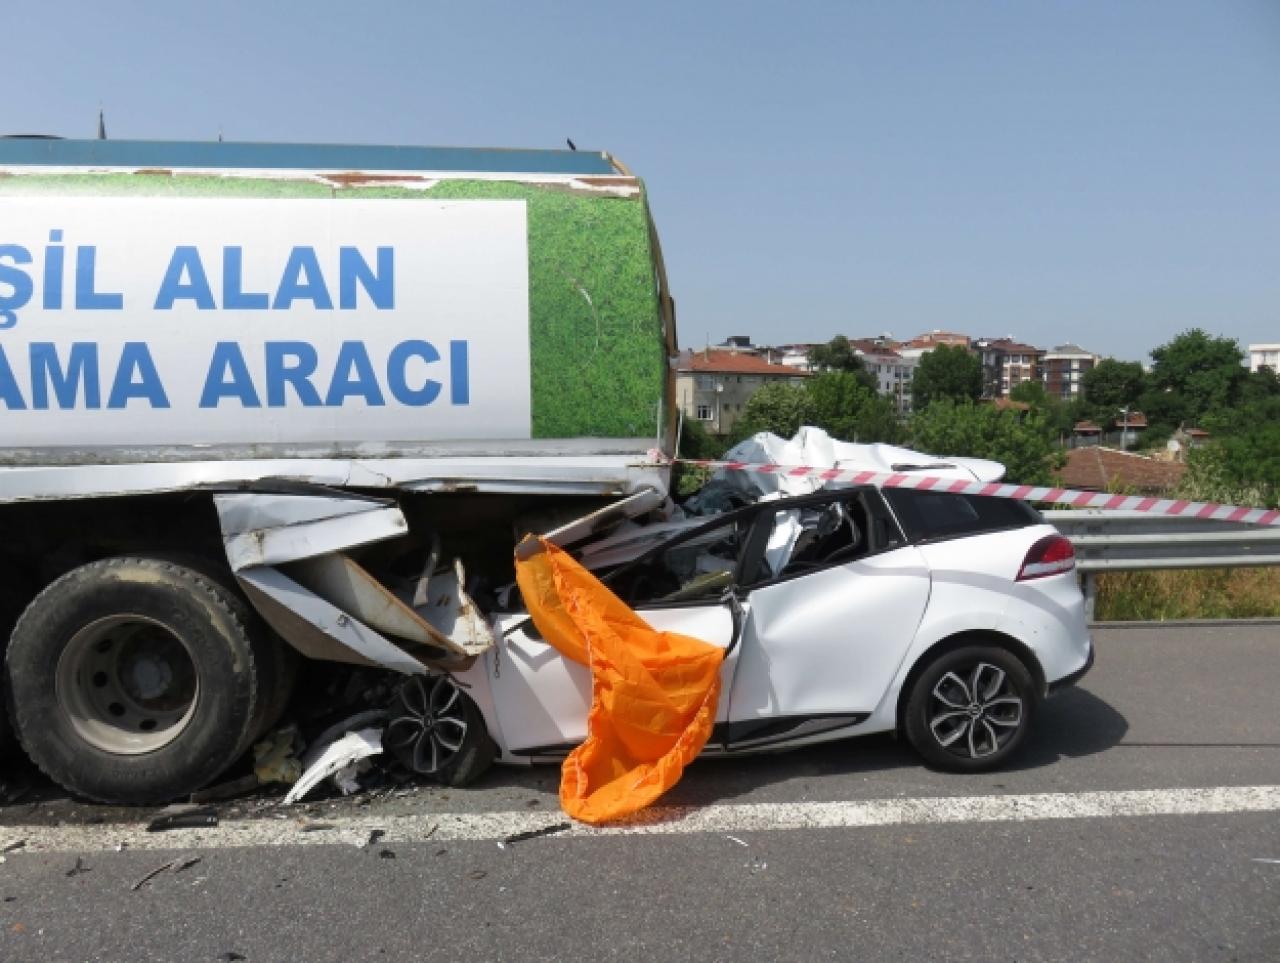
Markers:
958,486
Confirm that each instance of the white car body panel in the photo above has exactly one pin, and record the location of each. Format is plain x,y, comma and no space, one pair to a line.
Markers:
542,698
825,643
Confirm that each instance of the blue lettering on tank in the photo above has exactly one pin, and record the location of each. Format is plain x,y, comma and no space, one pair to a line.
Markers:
18,281
379,285
10,393
135,360
184,263
397,376
302,280
47,372
228,377
291,363
353,377
88,297
459,374
234,295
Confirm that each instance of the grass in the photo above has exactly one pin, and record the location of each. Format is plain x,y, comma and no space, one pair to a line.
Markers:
1219,593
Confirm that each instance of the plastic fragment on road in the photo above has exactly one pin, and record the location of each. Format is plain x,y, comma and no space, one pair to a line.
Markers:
324,761
653,694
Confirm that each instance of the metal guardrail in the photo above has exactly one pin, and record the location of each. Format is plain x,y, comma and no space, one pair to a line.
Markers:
1110,541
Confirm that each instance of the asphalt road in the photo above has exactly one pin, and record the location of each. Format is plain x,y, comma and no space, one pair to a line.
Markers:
1122,832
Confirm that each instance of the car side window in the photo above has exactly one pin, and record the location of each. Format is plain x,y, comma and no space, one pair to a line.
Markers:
695,569
814,536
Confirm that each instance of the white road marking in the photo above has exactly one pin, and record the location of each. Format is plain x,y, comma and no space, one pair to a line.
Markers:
751,817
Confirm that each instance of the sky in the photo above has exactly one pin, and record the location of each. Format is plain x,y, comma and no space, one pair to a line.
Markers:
1106,173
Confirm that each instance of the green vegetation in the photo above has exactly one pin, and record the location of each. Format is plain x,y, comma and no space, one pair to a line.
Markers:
1220,593
947,373
839,355
839,402
1026,445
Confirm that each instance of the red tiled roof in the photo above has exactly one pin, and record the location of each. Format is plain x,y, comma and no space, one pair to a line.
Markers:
1008,404
1087,427
870,347
1197,433
733,362
1104,469
1136,419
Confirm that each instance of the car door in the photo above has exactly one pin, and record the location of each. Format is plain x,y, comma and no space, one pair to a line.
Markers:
830,613
681,586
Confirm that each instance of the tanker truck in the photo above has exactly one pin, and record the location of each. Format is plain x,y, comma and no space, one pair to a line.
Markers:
263,403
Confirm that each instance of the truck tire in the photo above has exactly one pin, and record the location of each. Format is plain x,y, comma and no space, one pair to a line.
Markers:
134,680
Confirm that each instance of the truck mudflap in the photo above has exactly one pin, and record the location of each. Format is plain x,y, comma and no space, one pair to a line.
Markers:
287,551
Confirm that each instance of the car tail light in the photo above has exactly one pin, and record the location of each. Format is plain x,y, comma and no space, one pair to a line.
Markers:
1052,555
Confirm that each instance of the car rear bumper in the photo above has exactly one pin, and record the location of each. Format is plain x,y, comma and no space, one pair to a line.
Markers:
1074,677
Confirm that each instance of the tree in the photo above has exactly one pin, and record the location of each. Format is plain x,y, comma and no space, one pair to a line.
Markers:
839,355
946,373
1025,446
1112,384
1197,374
844,407
698,443
1059,416
779,407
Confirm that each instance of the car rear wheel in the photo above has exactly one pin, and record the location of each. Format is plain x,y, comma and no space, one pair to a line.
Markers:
970,709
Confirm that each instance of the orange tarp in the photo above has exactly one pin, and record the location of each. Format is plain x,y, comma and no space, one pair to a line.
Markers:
653,694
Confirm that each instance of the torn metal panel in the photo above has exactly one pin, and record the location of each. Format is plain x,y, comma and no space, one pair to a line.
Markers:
318,629
604,518
345,583
271,529
454,616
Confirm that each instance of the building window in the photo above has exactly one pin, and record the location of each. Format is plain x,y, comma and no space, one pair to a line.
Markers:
704,412
706,382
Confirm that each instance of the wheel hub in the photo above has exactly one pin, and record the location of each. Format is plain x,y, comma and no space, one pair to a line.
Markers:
127,684
975,711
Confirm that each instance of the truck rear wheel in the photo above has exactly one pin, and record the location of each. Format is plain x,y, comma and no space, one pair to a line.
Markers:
134,680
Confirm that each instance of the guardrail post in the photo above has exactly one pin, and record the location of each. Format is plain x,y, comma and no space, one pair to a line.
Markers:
1090,595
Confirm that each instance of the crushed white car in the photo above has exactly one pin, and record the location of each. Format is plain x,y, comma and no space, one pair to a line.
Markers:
842,612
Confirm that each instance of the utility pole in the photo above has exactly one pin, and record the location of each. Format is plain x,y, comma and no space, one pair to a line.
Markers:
1124,429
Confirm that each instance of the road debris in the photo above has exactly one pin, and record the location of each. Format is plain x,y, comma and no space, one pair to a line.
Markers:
275,758
14,846
324,761
740,842
184,818
153,874
77,869
535,833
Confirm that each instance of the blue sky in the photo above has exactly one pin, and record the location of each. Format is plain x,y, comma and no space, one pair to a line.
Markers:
1107,173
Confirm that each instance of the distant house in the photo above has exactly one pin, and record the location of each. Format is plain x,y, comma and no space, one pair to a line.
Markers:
1063,369
713,385
1006,364
1097,469
891,370
1264,356
1085,433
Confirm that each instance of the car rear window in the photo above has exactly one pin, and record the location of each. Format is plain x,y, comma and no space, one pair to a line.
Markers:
929,515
